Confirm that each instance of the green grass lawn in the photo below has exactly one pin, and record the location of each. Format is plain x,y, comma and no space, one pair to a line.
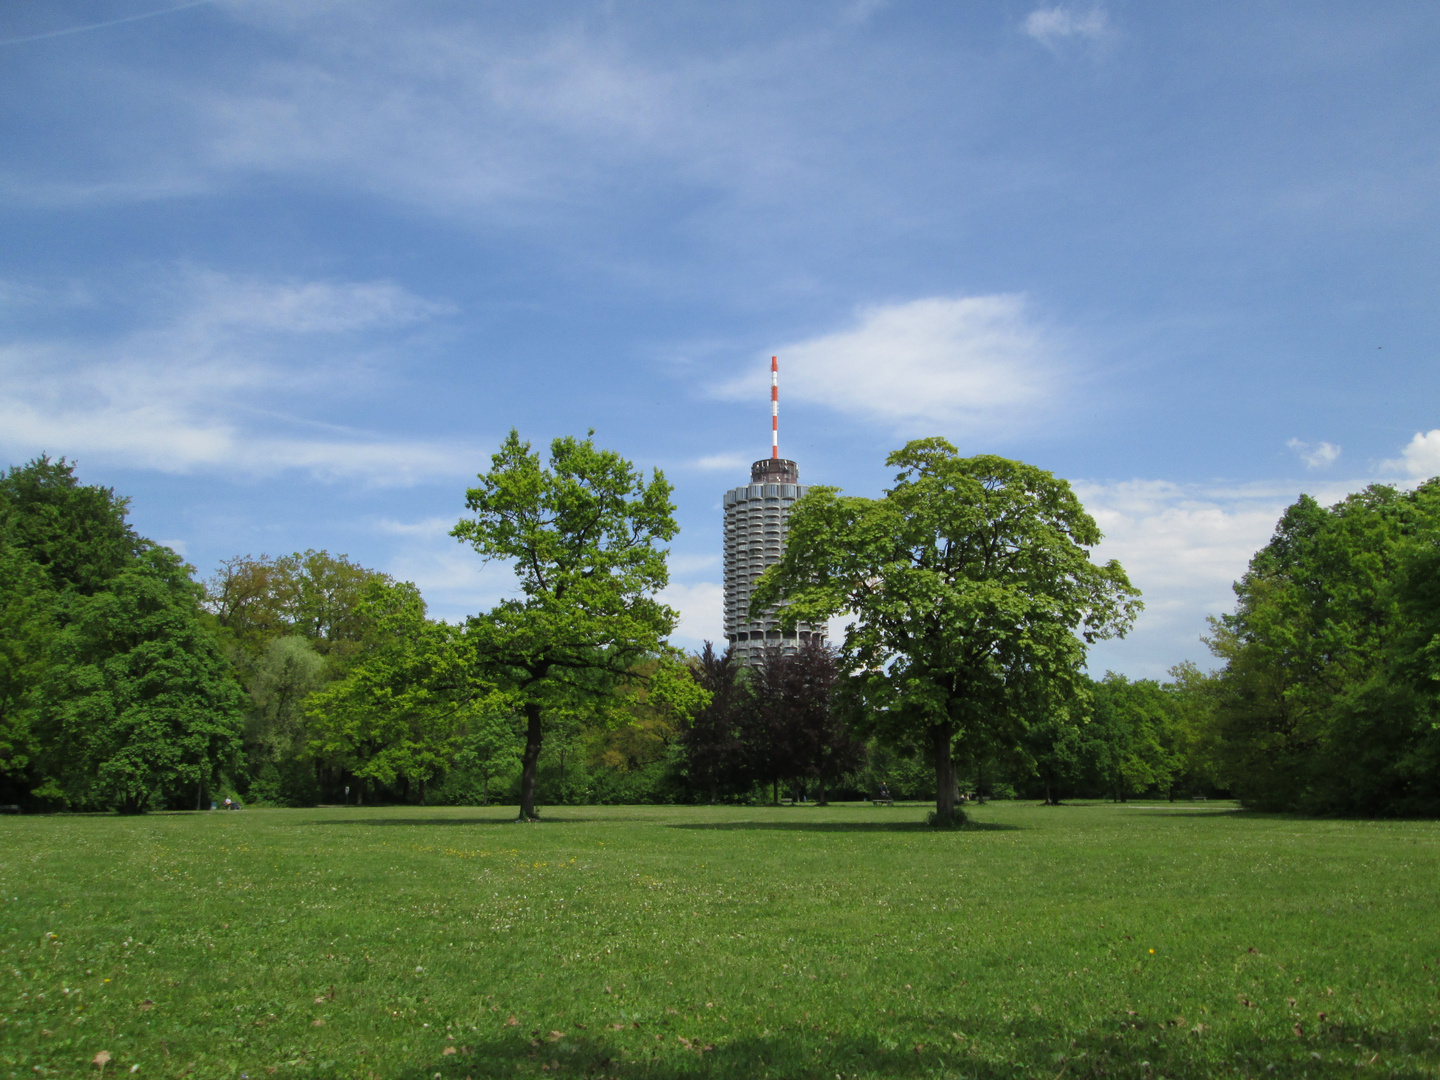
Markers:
1089,940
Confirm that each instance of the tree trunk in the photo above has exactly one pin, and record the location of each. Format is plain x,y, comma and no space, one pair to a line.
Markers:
820,799
530,761
979,781
1049,797
200,792
942,734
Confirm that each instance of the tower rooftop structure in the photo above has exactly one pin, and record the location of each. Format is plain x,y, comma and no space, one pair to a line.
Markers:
756,519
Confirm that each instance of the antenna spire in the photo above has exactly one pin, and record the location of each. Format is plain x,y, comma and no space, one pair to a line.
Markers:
774,407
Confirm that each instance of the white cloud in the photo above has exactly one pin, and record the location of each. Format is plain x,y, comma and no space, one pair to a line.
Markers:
700,606
1315,455
195,389
978,362
1054,26
1183,545
721,462
1420,459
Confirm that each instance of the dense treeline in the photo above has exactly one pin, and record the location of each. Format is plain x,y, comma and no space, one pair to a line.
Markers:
125,684
1327,702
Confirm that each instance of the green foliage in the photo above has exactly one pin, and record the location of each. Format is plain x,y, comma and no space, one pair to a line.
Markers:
27,633
584,536
76,533
139,706
1131,736
311,594
1324,702
113,692
400,714
973,593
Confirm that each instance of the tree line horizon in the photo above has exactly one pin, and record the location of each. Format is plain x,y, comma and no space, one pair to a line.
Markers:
126,684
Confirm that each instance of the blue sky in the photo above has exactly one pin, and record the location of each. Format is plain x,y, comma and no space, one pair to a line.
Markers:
286,271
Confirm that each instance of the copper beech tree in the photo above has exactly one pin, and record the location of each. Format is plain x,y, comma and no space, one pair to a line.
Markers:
973,595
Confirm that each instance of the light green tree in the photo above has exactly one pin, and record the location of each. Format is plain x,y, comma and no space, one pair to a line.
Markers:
972,592
401,712
584,534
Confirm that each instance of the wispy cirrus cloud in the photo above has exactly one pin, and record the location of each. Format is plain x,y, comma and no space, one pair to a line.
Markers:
980,363
223,378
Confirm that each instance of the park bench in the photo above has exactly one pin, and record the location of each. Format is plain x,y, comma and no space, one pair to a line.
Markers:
1199,798
882,800
9,808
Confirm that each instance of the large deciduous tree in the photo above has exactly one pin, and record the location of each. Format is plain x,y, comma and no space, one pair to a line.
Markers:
972,590
584,536
139,705
1319,704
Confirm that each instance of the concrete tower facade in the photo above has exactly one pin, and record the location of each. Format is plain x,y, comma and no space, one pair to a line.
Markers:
755,525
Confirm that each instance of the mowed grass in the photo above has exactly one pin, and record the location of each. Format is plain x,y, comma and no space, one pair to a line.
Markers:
1091,940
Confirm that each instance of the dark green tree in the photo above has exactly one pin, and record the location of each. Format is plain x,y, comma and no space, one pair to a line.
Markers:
28,628
139,706
1321,614
973,594
714,752
76,533
584,536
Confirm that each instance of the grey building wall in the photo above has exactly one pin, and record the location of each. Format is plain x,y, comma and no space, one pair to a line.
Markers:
756,518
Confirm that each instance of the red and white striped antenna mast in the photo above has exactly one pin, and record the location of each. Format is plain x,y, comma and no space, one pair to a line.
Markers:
774,406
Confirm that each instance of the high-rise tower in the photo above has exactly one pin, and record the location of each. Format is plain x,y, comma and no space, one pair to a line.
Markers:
755,526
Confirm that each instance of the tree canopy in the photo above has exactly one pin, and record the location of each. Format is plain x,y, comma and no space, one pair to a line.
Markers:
584,535
972,591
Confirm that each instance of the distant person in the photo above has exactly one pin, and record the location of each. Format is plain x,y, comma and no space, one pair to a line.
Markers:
884,791
227,802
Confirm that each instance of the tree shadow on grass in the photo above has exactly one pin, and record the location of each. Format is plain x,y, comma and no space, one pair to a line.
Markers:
1191,813
949,1047
840,826
507,819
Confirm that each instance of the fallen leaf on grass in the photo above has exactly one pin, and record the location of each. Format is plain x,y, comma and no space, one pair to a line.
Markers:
512,1022
317,1023
447,1051
1299,1031
617,1027
146,1005
556,1036
102,1059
